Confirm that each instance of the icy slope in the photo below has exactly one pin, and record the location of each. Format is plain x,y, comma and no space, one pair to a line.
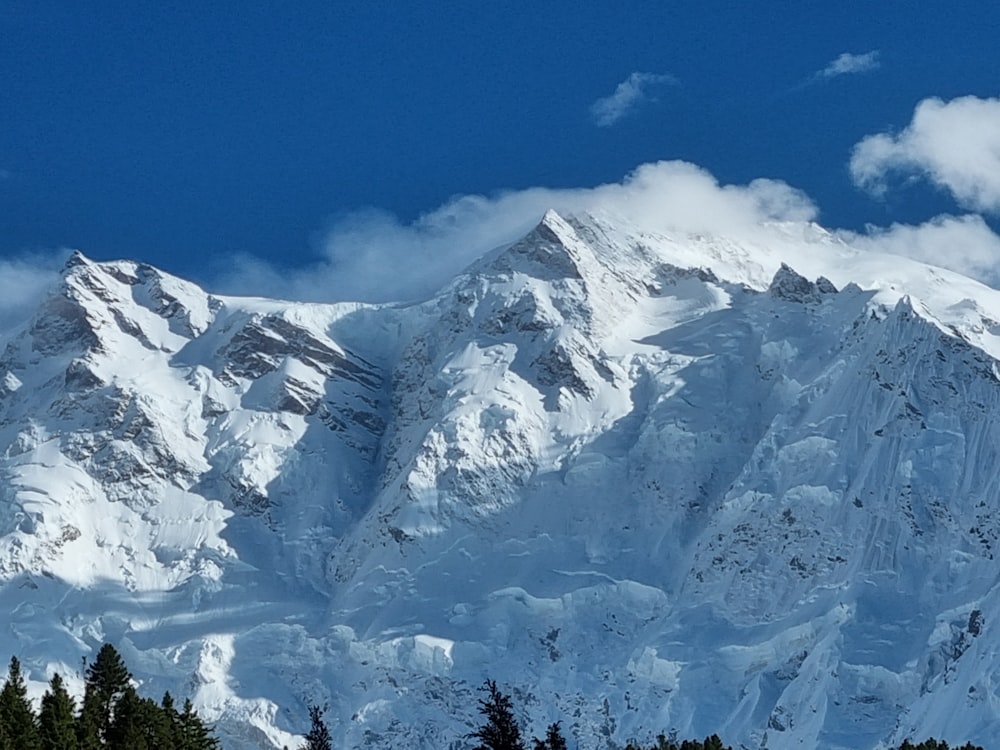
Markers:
647,483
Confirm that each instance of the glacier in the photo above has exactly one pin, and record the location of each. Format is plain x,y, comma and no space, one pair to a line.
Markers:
646,482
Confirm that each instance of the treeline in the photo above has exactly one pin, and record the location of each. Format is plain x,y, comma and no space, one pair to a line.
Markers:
111,716
500,731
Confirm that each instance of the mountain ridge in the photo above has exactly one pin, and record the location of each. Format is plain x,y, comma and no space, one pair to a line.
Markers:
649,482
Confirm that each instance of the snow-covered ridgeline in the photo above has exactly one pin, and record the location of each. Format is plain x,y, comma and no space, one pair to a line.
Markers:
648,483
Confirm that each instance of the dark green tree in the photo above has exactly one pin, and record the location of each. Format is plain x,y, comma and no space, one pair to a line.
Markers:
554,739
56,719
113,716
663,743
106,681
89,723
140,724
172,718
319,734
158,728
16,715
500,731
127,730
193,733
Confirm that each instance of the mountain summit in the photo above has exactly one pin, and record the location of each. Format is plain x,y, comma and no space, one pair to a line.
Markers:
649,483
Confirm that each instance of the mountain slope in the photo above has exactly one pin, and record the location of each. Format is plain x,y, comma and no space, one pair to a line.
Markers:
647,483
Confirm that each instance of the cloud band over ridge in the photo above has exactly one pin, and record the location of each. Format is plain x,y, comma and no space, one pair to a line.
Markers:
364,252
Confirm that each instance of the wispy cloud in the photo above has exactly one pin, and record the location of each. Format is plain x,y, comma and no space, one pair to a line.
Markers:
363,252
845,64
964,244
954,144
24,281
628,97
850,64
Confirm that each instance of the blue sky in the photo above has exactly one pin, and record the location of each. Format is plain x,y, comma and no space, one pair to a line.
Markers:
266,137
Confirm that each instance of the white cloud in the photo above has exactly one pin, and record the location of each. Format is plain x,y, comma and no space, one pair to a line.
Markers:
372,256
24,280
850,64
954,144
965,244
627,97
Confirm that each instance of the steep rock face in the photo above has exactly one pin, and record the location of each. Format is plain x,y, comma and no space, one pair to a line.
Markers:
708,495
647,483
152,438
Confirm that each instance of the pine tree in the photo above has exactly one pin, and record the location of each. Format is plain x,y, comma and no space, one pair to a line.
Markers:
158,730
192,733
126,731
89,722
554,739
319,735
56,722
501,731
140,724
173,720
167,704
16,715
107,680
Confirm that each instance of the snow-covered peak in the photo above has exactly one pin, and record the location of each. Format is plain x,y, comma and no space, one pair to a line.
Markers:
113,307
648,482
956,303
550,251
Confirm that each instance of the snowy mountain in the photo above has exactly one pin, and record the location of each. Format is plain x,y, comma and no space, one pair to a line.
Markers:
647,483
